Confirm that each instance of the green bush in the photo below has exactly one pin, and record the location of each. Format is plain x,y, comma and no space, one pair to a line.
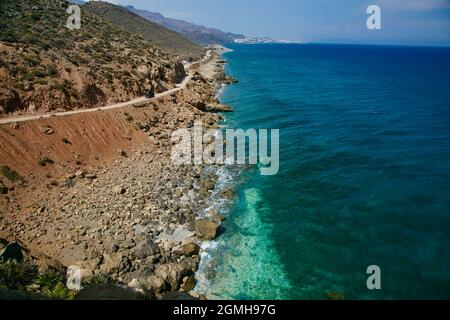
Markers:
59,291
15,275
48,280
52,285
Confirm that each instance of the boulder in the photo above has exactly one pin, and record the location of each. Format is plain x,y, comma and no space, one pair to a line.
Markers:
219,107
206,229
154,283
189,283
47,130
119,190
208,184
227,193
9,100
174,273
145,248
115,263
188,249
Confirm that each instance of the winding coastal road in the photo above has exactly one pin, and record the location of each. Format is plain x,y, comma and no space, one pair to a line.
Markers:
136,101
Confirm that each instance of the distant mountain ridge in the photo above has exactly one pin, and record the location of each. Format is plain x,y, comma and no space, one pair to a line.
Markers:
196,33
159,36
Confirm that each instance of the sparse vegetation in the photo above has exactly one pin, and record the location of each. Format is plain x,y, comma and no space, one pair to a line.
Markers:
128,117
14,275
97,56
25,277
99,279
66,141
3,189
44,161
10,174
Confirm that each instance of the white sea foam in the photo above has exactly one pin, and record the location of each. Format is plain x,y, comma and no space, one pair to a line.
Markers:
244,264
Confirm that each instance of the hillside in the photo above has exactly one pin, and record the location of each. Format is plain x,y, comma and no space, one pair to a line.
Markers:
170,41
195,33
45,66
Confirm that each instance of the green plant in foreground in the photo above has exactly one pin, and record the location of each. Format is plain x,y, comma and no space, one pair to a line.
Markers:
48,280
15,275
59,291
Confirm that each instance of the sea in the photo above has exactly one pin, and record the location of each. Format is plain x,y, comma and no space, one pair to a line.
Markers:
364,176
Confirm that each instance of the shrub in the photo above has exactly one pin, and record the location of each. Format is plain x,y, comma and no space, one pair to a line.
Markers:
128,117
52,285
60,291
48,280
10,174
15,275
52,71
3,189
66,141
44,161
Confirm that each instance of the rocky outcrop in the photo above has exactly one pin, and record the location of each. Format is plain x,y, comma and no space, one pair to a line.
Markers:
9,101
206,229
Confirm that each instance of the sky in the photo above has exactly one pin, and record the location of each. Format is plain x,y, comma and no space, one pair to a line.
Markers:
403,22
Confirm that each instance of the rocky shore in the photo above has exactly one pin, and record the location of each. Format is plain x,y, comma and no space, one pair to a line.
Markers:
136,219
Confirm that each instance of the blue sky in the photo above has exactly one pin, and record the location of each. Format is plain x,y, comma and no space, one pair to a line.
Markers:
421,22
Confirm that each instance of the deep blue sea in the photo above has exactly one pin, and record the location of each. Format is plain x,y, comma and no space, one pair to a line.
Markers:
364,174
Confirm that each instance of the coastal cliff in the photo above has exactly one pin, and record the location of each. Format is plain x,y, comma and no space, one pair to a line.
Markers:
109,200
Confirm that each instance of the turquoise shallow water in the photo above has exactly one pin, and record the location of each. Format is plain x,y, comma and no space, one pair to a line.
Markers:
364,177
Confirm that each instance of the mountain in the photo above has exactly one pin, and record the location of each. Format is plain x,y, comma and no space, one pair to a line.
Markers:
170,41
46,66
78,2
195,33
262,40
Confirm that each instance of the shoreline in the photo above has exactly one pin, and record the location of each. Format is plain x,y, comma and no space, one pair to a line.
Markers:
141,229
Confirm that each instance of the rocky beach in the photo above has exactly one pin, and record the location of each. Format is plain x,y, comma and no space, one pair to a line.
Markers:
120,210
